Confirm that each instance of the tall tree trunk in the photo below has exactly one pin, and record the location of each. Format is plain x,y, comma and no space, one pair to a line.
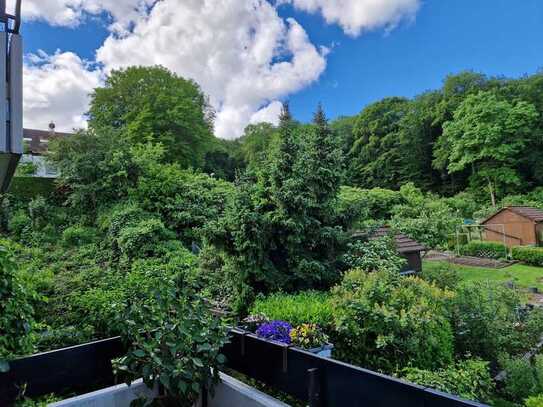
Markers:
492,194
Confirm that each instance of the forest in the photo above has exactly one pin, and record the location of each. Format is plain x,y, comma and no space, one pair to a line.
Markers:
153,218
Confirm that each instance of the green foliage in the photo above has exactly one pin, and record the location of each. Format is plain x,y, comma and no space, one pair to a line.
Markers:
488,135
528,255
443,276
387,322
30,187
357,204
141,239
469,379
153,105
26,169
280,230
534,401
78,235
16,312
489,250
487,321
308,336
175,342
524,378
374,255
312,307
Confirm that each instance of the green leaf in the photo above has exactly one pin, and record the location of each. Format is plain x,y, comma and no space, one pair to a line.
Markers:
138,353
197,362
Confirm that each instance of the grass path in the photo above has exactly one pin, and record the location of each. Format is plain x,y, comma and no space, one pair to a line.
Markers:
523,276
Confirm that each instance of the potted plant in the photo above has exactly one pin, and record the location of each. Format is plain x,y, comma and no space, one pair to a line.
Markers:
278,331
311,338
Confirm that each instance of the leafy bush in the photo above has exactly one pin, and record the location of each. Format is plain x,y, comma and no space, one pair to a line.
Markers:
487,321
175,342
386,322
306,307
141,239
78,235
374,255
20,224
16,312
523,378
308,336
444,276
528,255
469,379
534,401
489,250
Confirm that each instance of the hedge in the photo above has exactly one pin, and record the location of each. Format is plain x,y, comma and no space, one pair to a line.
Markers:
528,255
31,187
489,250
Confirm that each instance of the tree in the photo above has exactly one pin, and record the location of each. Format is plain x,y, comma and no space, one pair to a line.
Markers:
489,136
155,105
280,231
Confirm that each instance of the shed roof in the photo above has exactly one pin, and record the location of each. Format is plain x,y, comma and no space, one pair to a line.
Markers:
404,244
528,212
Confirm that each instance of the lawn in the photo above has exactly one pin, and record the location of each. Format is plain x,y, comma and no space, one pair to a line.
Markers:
523,276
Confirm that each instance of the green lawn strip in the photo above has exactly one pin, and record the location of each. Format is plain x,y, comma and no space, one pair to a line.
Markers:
524,276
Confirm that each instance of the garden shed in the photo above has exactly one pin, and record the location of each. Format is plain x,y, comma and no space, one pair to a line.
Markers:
515,226
408,248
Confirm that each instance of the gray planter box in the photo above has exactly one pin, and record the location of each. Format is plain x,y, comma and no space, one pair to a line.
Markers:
230,392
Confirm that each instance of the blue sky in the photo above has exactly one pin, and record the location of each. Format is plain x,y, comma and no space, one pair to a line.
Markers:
496,37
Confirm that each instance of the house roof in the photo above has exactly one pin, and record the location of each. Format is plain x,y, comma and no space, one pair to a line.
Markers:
38,139
404,244
528,212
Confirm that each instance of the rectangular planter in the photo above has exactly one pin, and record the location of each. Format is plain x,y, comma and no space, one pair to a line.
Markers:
230,392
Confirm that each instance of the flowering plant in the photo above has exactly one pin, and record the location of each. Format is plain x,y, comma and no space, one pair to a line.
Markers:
308,336
275,330
252,322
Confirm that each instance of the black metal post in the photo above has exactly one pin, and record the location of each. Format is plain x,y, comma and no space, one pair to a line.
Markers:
314,388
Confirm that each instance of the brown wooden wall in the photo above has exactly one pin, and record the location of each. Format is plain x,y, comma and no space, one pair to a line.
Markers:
414,261
519,230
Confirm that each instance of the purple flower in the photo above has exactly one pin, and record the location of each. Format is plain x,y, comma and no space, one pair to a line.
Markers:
275,330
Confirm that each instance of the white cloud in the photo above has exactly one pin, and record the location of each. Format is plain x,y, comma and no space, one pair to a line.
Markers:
356,16
241,53
268,114
71,12
57,87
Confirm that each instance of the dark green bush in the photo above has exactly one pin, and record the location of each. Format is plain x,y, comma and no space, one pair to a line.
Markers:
469,379
524,378
487,321
305,307
373,255
16,312
388,322
489,250
529,255
78,235
31,187
444,276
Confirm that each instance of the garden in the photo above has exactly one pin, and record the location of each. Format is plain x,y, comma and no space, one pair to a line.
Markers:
160,234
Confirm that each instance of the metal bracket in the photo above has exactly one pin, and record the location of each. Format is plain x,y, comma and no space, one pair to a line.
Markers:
314,388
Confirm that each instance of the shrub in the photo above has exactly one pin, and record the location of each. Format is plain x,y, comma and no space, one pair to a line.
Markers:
489,250
523,378
487,321
528,255
141,239
16,312
386,322
469,379
175,342
373,255
534,401
305,307
308,336
444,276
78,235
20,224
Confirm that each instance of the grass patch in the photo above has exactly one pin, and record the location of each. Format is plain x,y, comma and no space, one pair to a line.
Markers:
524,276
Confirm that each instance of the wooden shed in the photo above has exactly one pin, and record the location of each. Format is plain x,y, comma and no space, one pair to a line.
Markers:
408,248
515,226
